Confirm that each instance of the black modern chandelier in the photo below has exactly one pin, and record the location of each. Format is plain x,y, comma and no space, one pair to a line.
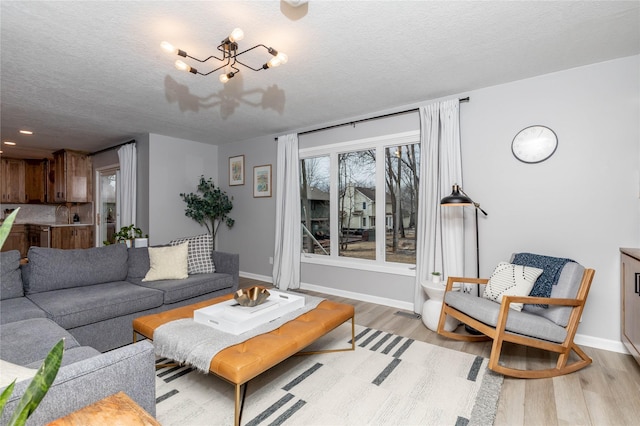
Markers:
229,50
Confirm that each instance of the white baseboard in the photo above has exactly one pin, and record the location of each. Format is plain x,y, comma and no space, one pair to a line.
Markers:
600,343
359,296
581,339
251,276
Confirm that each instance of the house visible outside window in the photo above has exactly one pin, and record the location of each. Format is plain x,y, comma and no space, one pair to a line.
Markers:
344,187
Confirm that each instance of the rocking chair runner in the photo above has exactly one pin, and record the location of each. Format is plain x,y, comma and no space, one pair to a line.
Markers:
551,329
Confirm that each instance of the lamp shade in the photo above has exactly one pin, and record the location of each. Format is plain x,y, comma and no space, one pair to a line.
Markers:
456,198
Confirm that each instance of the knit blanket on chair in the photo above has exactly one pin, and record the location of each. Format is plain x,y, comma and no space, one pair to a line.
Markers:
551,270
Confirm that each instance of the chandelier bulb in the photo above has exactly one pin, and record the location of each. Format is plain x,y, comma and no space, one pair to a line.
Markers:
168,47
236,35
182,66
277,60
226,77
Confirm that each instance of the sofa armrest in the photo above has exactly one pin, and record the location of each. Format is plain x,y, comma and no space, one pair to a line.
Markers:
130,369
228,263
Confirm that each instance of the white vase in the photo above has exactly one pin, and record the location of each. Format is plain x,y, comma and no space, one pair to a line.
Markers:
435,279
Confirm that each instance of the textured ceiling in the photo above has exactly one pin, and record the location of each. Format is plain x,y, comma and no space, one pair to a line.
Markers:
88,75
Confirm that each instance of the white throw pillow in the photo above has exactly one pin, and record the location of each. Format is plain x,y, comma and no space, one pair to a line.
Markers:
511,280
199,259
10,372
168,263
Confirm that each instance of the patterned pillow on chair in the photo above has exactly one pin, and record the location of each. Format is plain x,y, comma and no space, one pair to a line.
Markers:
199,259
511,280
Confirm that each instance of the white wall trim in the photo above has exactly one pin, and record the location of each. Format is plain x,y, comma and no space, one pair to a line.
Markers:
600,343
580,339
251,276
359,296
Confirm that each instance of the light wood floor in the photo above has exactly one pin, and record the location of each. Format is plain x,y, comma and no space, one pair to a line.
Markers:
605,393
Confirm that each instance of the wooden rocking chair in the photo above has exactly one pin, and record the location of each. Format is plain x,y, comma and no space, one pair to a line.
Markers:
551,329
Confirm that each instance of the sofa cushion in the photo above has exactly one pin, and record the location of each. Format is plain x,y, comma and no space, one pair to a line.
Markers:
27,341
10,275
54,269
70,356
168,263
18,309
194,286
78,306
199,259
138,264
10,372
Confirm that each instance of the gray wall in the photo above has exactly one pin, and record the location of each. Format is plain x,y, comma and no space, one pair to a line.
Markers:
253,233
173,166
581,203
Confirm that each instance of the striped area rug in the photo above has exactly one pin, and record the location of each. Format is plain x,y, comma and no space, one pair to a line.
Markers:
387,380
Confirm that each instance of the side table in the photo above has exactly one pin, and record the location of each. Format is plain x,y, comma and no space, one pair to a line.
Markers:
117,409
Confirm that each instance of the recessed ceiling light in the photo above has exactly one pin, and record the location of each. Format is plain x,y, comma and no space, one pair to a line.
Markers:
9,143
26,132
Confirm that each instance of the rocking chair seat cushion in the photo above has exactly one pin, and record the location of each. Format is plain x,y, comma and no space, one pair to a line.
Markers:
524,323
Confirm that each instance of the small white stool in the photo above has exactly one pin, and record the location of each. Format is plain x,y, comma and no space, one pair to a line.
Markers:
432,307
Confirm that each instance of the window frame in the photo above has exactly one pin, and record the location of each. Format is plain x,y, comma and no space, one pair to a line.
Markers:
379,143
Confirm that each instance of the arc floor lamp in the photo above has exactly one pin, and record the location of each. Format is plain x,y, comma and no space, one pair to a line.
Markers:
459,198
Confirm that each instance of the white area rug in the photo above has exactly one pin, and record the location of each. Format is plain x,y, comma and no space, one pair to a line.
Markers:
387,380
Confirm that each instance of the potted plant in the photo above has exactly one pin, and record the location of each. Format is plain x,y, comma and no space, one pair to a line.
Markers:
435,277
46,374
209,206
127,235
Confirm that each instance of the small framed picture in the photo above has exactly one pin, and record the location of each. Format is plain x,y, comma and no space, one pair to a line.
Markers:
262,181
236,170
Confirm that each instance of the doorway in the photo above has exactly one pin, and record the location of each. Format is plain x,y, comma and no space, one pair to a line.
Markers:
106,217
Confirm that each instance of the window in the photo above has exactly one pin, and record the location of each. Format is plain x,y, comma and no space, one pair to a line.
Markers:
314,196
345,187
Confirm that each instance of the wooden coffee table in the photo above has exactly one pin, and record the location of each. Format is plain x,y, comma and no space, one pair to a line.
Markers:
240,363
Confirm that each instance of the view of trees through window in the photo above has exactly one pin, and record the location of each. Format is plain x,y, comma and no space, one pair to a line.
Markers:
362,228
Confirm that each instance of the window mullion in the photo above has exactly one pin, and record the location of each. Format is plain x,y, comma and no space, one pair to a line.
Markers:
333,202
381,228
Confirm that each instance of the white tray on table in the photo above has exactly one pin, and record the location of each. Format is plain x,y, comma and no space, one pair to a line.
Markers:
231,317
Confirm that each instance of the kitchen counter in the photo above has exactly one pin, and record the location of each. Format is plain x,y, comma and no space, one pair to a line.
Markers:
57,224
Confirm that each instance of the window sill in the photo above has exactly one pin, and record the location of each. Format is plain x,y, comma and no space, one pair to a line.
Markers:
404,269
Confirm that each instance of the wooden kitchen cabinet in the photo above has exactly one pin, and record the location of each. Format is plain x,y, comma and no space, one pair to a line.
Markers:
630,292
13,176
70,177
17,240
72,237
35,184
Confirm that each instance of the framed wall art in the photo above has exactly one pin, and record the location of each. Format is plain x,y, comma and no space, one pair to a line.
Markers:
262,181
236,170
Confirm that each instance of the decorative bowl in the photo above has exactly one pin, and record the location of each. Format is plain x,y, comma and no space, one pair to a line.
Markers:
252,296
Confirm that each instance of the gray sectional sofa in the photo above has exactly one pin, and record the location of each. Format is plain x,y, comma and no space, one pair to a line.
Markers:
90,297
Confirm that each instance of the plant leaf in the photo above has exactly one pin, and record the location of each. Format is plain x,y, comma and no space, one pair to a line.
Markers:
39,386
6,226
5,396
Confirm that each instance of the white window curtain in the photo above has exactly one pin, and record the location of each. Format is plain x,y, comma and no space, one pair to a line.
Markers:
440,232
126,186
286,259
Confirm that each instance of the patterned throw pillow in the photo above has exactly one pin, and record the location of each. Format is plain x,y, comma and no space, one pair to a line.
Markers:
511,280
199,259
